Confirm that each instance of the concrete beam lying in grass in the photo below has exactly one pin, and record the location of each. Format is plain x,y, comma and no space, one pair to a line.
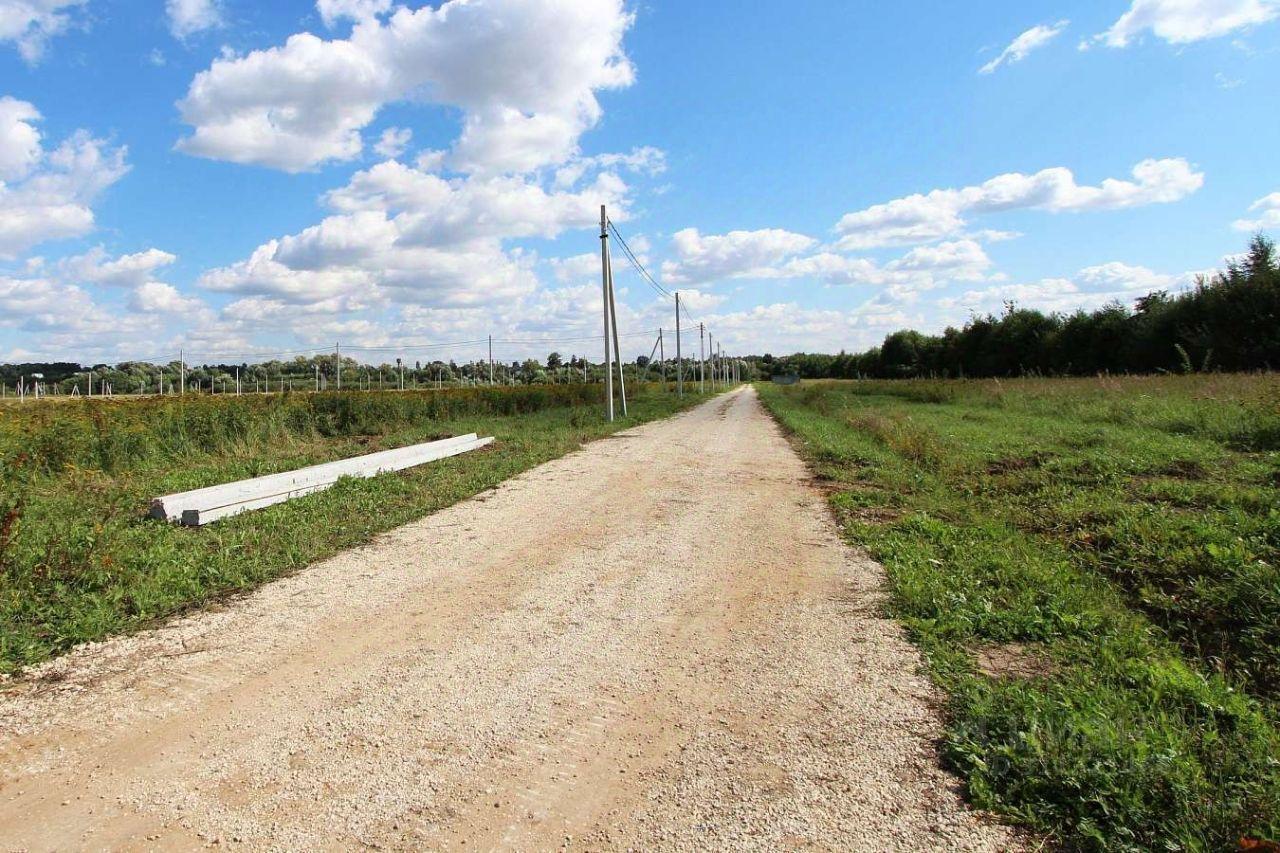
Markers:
202,506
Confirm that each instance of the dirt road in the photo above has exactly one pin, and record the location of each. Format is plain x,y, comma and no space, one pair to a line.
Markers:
656,642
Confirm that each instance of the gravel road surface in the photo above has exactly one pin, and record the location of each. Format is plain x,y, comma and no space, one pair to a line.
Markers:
657,642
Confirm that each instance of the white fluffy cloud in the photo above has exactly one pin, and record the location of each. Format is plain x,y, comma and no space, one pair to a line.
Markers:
1185,21
940,213
525,75
334,11
433,210
1021,47
1090,288
787,327
1266,215
406,236
159,298
20,147
36,303
188,17
777,254
738,254
95,267
923,268
393,142
134,272
29,24
50,193
52,305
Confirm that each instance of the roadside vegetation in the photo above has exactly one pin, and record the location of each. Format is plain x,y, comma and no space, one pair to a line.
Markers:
1091,568
1229,321
79,559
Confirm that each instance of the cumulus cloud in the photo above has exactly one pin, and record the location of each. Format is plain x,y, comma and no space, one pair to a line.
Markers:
156,297
1090,288
1021,47
50,192
940,213
401,235
434,210
779,254
334,11
923,268
134,270
392,142
1185,21
645,160
29,24
63,319
524,74
20,147
188,17
738,254
39,303
1266,215
787,327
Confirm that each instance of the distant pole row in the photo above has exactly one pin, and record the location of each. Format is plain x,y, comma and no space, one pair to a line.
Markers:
723,369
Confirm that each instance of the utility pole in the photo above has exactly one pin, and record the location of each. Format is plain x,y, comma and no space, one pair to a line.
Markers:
679,352
702,359
662,360
604,289
613,320
711,346
182,374
317,366
337,357
491,359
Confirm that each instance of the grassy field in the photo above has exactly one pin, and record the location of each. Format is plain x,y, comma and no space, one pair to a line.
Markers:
80,561
1092,570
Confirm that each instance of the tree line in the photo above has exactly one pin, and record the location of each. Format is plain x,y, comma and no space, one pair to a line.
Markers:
1229,322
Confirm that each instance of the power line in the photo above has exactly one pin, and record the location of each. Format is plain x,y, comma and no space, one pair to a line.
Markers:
635,262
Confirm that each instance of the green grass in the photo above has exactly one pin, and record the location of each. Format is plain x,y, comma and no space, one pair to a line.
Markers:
1120,539
80,561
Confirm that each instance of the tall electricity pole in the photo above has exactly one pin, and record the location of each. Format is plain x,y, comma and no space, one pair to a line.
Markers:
711,347
702,359
337,357
662,360
613,322
604,290
679,352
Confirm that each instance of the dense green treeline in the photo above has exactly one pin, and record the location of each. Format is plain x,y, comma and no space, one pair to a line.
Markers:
1230,322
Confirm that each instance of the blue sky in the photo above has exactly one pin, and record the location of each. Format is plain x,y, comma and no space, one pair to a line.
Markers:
238,179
